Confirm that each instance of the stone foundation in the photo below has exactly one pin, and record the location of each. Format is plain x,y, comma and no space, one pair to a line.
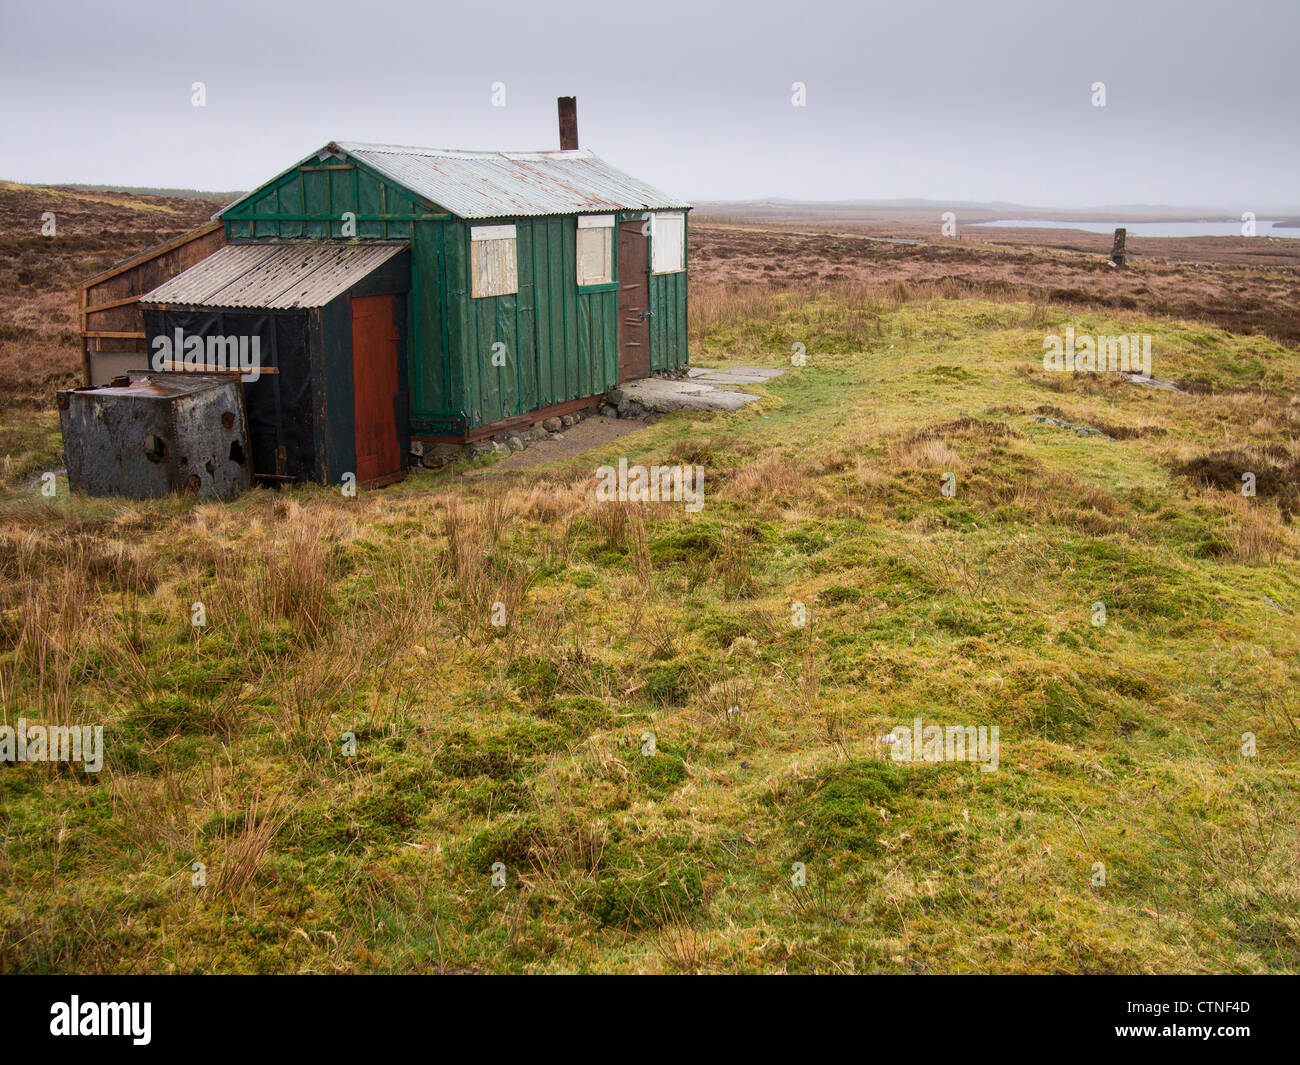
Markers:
612,405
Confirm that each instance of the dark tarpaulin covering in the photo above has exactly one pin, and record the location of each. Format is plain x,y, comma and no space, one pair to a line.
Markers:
279,405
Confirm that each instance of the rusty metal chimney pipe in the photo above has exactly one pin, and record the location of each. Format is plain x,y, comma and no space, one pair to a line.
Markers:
568,108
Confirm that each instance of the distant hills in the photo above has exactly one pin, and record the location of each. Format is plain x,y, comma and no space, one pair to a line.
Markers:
991,209
145,190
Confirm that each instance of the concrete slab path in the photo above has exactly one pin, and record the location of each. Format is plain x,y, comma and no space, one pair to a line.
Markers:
699,390
737,375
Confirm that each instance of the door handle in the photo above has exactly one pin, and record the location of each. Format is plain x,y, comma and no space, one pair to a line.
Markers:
646,314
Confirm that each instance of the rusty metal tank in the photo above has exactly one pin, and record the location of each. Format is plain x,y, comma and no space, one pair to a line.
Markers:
147,434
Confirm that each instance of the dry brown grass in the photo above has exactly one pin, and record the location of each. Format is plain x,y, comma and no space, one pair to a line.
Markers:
924,454
489,581
735,565
294,583
723,304
548,503
869,474
314,686
244,853
408,589
1243,290
1256,532
153,813
45,605
611,522
683,948
769,487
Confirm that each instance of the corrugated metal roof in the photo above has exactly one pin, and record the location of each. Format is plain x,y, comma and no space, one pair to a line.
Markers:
511,184
279,276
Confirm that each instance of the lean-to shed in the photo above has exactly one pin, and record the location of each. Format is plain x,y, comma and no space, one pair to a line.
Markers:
316,330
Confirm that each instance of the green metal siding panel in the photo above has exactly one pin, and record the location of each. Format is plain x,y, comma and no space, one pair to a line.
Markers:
565,293
370,201
558,337
477,386
523,353
324,195
598,337
268,204
668,319
435,357
508,375
490,391
586,349
447,240
343,197
545,233
561,344
316,199
397,202
668,345
290,201
464,381
427,369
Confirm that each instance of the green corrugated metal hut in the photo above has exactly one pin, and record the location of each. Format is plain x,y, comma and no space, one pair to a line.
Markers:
538,279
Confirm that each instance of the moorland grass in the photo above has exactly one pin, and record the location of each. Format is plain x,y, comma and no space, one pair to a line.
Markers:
522,744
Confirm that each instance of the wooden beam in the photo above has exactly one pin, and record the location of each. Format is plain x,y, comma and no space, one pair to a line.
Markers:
91,308
180,367
85,348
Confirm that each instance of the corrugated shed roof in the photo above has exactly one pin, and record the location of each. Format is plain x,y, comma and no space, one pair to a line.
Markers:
279,276
510,184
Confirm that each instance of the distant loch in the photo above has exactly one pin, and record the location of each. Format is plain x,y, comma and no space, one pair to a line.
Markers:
1264,227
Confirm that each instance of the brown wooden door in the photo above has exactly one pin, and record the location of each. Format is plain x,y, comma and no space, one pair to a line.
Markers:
375,345
633,302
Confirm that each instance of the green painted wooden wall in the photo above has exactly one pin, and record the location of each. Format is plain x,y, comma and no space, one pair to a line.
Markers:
558,343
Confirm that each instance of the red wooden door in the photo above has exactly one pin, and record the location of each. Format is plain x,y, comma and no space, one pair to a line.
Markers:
375,345
633,302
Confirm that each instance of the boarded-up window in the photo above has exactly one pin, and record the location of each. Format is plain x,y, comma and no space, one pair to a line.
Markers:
667,242
493,270
595,249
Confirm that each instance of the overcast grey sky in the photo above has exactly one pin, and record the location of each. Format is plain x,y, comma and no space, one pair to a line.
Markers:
938,99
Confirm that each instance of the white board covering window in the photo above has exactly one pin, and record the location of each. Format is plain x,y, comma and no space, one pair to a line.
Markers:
595,249
667,242
493,266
